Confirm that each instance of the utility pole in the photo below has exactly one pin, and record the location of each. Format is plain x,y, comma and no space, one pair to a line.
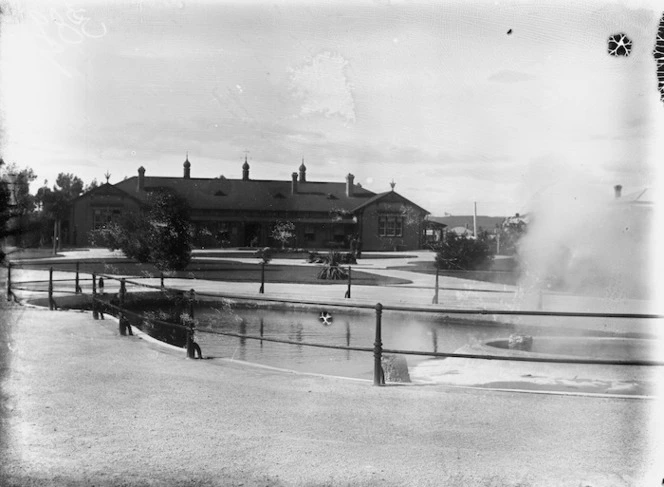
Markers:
475,219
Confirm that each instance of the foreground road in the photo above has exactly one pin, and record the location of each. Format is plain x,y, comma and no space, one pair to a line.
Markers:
84,406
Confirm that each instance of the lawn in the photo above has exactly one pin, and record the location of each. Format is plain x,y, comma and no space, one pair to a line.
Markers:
501,272
217,270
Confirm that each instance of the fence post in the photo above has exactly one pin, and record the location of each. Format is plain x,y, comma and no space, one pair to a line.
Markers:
262,289
190,339
435,296
77,287
95,313
9,281
190,325
378,348
349,283
192,298
121,321
51,301
162,281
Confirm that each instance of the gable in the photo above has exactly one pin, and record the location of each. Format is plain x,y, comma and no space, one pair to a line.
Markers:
389,198
106,194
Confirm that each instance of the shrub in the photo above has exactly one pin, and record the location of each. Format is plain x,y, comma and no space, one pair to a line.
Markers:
265,254
332,271
345,258
458,252
283,232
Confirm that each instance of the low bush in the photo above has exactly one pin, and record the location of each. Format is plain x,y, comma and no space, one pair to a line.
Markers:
332,271
457,252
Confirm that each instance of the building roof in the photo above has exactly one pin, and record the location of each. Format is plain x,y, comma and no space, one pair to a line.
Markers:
484,222
253,194
109,189
644,196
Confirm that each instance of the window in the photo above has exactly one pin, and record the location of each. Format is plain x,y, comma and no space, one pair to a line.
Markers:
102,217
309,233
339,234
390,226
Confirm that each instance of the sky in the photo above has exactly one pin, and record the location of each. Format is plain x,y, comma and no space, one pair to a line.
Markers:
457,102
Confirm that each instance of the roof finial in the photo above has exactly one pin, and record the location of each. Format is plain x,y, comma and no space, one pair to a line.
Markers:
187,158
107,176
392,184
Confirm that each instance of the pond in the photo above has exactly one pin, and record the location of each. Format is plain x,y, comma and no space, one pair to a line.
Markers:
428,332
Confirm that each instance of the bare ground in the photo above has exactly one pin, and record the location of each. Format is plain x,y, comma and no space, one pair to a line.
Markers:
85,406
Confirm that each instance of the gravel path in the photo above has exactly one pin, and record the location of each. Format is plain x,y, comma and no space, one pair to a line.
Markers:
84,406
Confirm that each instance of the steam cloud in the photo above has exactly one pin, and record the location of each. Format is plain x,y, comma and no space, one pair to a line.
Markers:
581,239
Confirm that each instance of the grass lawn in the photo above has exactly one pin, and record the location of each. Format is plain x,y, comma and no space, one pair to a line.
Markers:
500,273
219,270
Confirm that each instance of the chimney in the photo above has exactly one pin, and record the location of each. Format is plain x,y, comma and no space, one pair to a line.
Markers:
294,183
303,172
187,168
618,190
349,185
245,170
141,179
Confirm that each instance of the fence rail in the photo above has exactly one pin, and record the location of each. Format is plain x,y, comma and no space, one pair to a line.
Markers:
100,305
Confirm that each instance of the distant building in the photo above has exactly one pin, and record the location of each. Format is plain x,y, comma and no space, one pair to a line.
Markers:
242,212
463,224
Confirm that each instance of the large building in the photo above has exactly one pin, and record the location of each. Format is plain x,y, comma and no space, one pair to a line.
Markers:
243,212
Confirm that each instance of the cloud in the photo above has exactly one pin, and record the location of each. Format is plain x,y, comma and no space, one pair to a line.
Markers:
323,87
507,76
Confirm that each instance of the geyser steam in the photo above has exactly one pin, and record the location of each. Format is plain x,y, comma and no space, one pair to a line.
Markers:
584,239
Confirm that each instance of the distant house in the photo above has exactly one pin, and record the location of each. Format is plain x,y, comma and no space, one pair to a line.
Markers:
637,208
242,212
463,224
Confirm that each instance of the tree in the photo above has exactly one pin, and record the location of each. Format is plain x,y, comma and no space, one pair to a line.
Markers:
20,204
169,235
510,232
24,202
160,235
283,232
93,184
55,202
4,211
458,252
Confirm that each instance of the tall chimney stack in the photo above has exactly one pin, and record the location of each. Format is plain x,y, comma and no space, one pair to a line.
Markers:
294,183
349,185
618,190
187,167
141,179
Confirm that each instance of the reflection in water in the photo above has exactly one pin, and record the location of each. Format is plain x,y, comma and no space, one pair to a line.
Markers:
295,334
434,337
262,330
348,339
243,341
